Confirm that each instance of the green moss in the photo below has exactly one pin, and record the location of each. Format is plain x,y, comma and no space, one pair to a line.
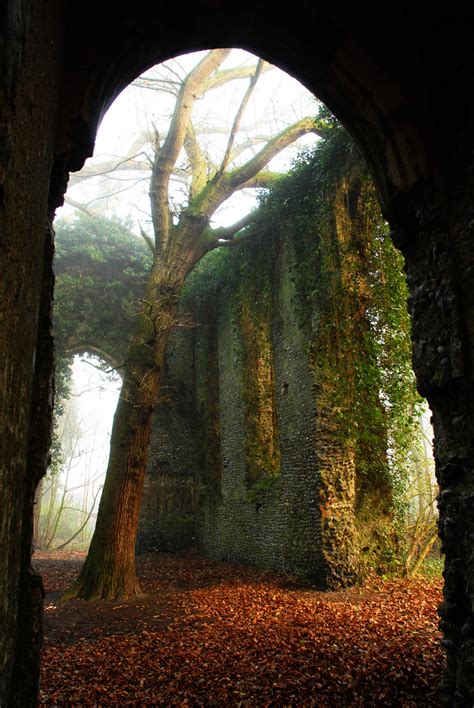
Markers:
351,307
261,434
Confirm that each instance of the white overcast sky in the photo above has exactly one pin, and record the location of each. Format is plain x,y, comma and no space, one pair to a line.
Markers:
278,101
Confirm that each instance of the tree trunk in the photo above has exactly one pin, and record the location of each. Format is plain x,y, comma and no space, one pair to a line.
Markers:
109,569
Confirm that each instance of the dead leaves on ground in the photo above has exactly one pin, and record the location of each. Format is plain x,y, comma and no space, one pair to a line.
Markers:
239,638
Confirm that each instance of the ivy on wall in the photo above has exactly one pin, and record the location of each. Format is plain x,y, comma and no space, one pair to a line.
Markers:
352,307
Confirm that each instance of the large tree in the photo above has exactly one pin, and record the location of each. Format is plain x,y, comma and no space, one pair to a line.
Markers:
181,239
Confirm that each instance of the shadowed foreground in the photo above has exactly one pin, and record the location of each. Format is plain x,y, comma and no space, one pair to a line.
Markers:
214,633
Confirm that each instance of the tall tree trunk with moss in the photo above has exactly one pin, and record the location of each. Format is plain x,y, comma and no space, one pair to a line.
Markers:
109,570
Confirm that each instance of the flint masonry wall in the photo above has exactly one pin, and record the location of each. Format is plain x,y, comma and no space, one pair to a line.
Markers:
257,455
247,461
169,500
254,491
268,512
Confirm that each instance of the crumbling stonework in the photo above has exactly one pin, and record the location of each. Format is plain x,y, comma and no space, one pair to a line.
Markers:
169,506
284,490
443,367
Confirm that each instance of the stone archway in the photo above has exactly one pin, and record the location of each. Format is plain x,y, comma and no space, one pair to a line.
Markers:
382,76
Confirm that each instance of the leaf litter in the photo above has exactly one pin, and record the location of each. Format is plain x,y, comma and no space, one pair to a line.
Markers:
210,633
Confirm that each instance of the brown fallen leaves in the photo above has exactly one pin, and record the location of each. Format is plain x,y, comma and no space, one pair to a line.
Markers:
211,633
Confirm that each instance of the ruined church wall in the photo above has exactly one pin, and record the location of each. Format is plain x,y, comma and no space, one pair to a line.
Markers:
169,505
215,480
271,447
267,513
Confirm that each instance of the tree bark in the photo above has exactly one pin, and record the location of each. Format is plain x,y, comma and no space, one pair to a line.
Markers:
109,570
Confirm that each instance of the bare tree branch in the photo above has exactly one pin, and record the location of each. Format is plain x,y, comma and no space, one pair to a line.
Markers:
197,161
238,116
66,543
101,169
248,144
153,84
231,235
222,187
77,205
166,158
129,163
218,79
271,150
147,240
224,76
262,180
228,232
134,151
247,236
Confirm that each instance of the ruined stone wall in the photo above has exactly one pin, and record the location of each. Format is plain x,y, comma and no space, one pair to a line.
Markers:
260,498
268,510
253,458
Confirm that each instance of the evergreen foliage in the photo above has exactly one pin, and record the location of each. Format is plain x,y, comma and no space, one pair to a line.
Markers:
101,269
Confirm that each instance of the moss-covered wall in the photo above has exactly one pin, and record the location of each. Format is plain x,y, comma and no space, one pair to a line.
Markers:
274,434
268,509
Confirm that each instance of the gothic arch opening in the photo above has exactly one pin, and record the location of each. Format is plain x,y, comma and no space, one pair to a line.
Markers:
399,151
340,492
346,217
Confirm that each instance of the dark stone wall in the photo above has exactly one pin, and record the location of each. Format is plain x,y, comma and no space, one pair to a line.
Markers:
168,517
249,438
28,39
440,270
271,521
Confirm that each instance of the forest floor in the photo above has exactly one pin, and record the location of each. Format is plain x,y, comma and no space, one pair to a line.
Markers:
215,634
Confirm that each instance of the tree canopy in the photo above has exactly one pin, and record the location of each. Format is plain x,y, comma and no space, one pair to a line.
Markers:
101,269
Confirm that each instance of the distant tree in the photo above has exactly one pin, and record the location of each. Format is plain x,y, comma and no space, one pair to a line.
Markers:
101,270
421,493
60,518
182,236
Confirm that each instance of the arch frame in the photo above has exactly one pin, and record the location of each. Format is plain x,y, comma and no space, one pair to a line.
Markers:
382,75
